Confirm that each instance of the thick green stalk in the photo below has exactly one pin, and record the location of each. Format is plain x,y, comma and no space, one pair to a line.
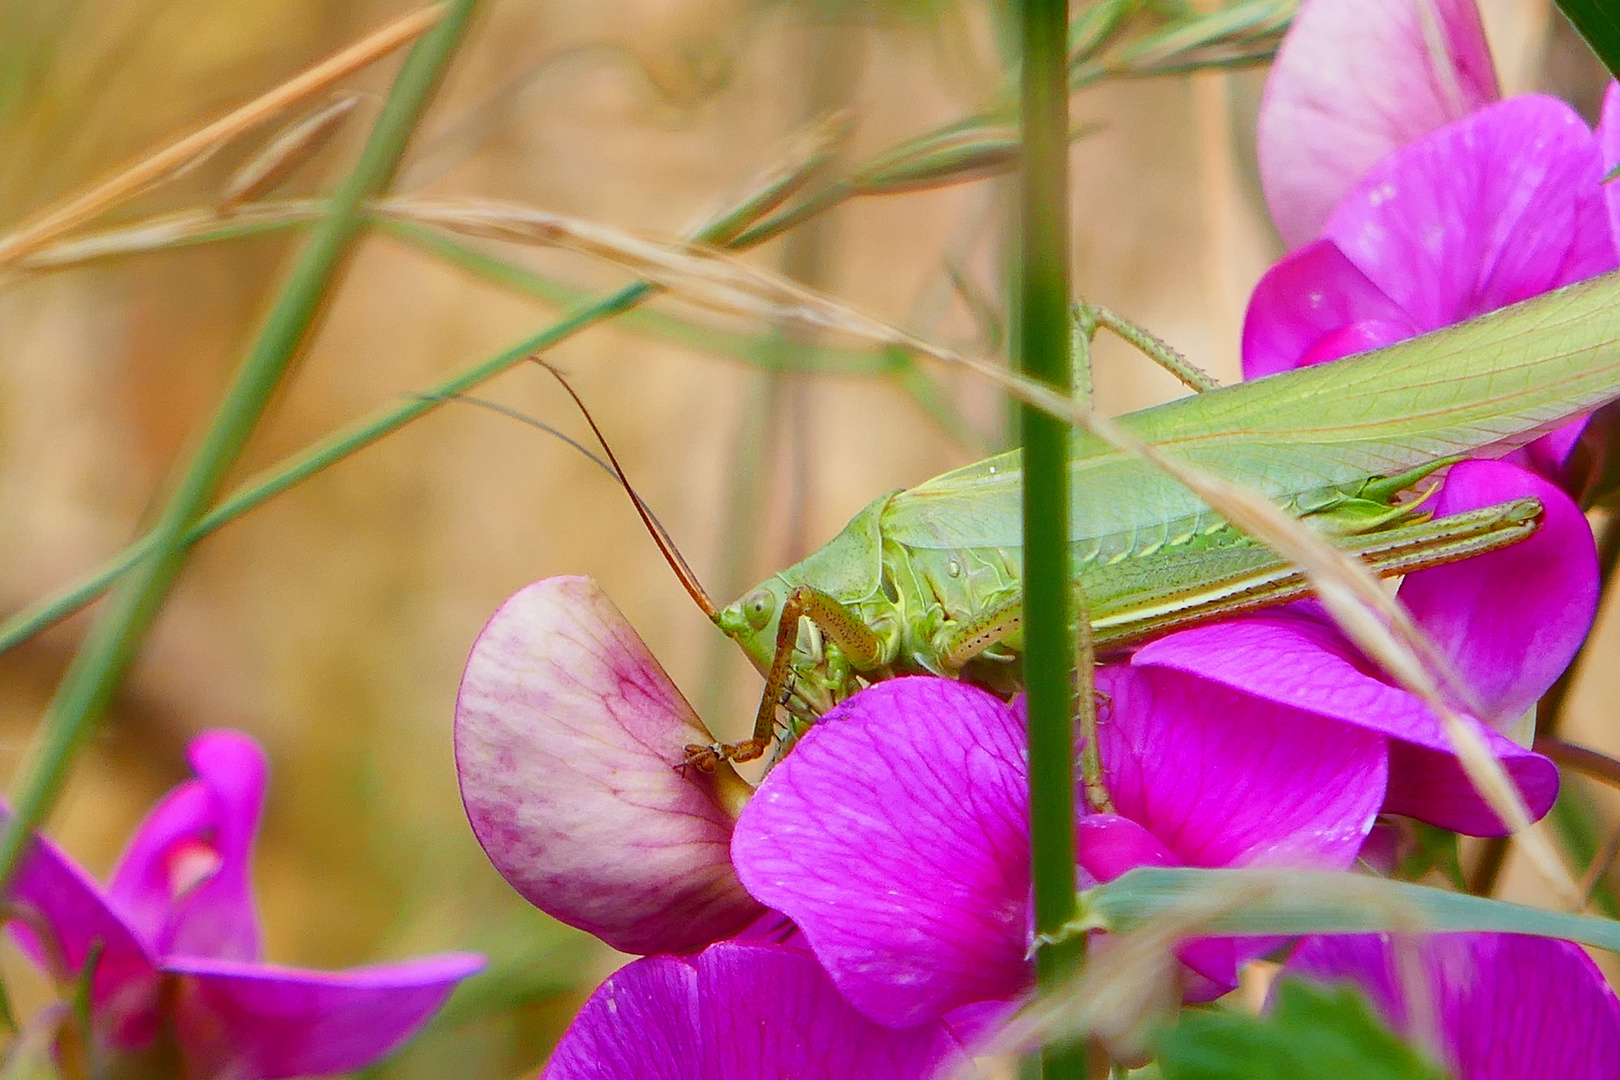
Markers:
93,677
1043,353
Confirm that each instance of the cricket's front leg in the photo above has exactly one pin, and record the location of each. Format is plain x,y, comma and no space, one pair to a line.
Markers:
860,645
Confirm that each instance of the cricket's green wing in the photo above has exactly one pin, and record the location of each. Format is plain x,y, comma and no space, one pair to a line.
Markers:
1479,388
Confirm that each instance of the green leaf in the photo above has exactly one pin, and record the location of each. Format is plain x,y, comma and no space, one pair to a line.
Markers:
1599,23
1312,1031
1261,903
1429,847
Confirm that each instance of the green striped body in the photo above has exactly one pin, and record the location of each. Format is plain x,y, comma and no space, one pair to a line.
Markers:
1149,556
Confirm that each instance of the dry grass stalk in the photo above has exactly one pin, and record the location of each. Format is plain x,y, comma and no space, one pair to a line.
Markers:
51,223
286,152
805,153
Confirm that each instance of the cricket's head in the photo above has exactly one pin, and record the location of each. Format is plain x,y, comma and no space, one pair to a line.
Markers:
751,621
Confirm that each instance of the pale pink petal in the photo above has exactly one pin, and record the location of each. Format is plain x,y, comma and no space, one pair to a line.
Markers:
1503,1006
1354,80
239,1021
1510,621
1494,209
896,835
1296,657
1314,306
569,742
184,879
739,1012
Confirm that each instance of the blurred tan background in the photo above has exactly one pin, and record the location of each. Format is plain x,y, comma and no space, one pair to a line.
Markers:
333,623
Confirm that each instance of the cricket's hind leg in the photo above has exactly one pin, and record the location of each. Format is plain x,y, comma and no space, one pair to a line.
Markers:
861,646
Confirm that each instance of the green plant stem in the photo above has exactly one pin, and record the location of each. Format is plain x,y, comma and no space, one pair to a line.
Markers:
93,677
1043,353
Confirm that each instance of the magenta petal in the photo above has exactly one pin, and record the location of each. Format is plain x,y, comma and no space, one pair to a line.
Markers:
1314,306
1512,620
1549,455
739,1012
257,1021
896,835
1608,137
1506,1006
1109,845
1296,659
1354,80
569,742
184,879
1491,210
72,909
1228,779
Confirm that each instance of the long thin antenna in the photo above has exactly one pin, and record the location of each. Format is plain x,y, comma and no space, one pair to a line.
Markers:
672,554
522,417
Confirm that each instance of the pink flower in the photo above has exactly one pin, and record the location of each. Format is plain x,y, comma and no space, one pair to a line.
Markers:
739,1011
1354,81
1413,198
178,941
1496,1006
569,742
896,833
1509,622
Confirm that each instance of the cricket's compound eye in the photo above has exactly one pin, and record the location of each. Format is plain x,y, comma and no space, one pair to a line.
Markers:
758,607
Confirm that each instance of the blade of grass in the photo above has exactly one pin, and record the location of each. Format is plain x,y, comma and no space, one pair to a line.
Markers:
52,609
819,359
94,675
54,221
188,228
1049,642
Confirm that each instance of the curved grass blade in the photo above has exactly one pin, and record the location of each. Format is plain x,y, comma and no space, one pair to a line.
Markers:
92,679
1263,903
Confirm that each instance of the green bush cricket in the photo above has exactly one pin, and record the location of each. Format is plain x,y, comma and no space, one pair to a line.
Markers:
927,579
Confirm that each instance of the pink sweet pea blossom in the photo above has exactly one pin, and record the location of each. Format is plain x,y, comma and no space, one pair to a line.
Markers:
1492,1006
1415,200
569,742
178,942
1353,81
739,1011
1509,622
896,834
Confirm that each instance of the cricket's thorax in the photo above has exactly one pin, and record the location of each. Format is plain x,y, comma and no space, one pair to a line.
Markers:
849,569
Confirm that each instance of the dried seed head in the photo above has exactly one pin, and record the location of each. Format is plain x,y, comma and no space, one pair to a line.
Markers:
805,153
939,159
286,152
